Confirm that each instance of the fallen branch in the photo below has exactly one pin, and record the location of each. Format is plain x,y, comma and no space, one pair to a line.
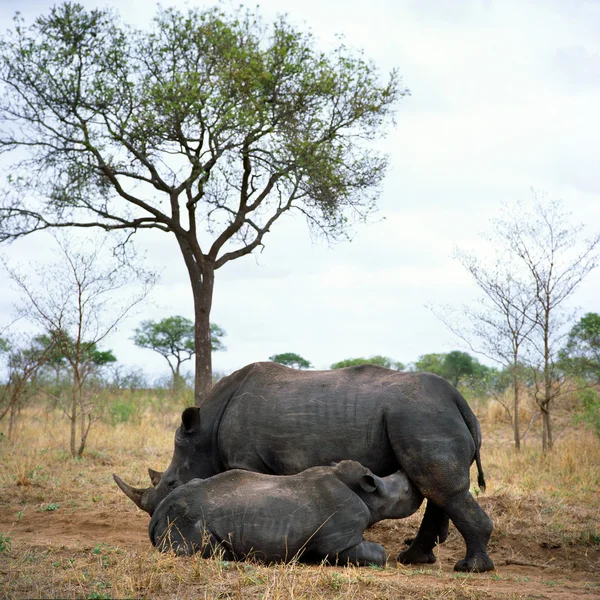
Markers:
523,563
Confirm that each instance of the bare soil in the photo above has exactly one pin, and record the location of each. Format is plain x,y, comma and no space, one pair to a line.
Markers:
67,531
526,567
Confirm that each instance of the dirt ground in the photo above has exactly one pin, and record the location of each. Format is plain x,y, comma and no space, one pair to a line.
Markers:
526,568
67,531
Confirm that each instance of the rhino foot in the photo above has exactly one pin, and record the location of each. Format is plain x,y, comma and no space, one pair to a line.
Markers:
475,564
363,554
413,556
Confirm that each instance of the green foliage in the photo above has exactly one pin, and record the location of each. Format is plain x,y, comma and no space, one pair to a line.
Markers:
459,366
174,336
125,410
216,335
456,366
431,363
168,336
174,339
581,354
209,124
209,86
5,542
485,382
380,361
60,347
52,506
21,362
291,359
589,412
95,595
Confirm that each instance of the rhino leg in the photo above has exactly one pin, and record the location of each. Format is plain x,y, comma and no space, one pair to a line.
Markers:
189,541
433,531
363,554
476,528
472,523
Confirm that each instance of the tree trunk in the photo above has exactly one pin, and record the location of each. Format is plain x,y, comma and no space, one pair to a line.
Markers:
546,431
548,396
547,427
74,405
81,416
202,278
516,424
202,305
85,429
11,419
73,420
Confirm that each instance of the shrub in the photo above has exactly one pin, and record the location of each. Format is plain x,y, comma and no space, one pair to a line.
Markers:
124,411
590,409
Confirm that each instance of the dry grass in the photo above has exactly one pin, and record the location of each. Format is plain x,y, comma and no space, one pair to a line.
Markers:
67,531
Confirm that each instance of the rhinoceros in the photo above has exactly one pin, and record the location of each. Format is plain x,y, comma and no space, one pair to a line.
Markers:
318,514
272,419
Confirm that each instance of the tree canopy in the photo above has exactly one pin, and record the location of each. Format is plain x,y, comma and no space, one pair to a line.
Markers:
60,345
380,361
209,126
456,366
581,354
291,359
173,338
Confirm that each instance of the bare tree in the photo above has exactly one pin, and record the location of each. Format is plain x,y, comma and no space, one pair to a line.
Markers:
555,259
498,326
209,126
538,261
74,303
24,358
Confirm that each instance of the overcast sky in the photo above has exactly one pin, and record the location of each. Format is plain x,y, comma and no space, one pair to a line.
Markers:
505,97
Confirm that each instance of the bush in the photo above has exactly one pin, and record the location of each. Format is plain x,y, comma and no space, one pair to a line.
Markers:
590,409
5,542
125,410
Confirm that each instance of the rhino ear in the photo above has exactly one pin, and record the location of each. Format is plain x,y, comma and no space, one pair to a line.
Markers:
190,419
155,476
369,482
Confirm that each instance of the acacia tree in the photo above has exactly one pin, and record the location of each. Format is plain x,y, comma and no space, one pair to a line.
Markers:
173,339
74,302
455,366
291,359
209,127
380,361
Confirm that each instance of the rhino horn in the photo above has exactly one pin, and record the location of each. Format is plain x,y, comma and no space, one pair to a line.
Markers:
155,476
140,497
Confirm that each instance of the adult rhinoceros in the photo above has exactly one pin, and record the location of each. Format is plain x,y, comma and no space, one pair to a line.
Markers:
272,419
318,514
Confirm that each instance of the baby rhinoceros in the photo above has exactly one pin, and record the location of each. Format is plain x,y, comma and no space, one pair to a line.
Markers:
319,514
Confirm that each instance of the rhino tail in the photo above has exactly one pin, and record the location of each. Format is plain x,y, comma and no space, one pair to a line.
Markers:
475,429
480,477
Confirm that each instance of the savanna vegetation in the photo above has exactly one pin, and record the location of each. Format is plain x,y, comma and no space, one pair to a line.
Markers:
67,531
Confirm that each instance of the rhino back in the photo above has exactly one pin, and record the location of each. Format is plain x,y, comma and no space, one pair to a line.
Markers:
270,518
282,420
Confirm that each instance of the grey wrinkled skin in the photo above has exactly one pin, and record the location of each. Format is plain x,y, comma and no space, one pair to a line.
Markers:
319,514
272,419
